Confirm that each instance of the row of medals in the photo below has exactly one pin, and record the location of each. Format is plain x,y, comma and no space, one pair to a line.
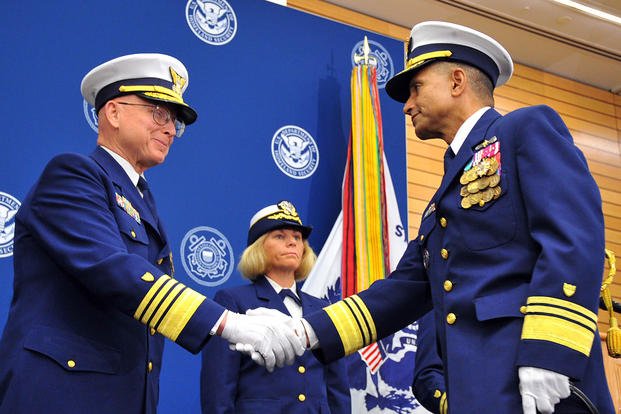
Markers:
480,183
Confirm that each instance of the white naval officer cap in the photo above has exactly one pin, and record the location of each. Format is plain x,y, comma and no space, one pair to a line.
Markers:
434,40
153,76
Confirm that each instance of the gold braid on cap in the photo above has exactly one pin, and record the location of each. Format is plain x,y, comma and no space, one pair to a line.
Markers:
154,91
420,59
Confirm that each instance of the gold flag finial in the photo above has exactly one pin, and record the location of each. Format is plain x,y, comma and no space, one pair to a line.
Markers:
366,58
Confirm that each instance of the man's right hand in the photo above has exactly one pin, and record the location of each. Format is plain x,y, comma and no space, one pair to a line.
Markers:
268,340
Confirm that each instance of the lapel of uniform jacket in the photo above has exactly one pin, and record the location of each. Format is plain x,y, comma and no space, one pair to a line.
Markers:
266,293
466,151
125,187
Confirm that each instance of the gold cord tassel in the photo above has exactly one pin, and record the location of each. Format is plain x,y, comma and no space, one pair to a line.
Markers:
613,337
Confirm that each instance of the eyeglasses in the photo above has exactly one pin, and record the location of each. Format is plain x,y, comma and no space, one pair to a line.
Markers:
161,116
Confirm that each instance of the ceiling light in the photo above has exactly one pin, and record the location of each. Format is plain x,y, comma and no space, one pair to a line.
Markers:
590,10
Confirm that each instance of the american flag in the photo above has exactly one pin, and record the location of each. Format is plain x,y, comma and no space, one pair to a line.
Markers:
373,356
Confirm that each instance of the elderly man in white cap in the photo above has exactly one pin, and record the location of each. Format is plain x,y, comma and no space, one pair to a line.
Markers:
94,293
510,248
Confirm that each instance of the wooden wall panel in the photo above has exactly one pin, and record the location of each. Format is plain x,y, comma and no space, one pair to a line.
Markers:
592,115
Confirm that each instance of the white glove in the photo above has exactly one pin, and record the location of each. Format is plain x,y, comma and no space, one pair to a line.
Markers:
294,323
541,389
268,340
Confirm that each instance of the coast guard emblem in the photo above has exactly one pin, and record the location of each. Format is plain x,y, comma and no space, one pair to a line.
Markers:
379,57
212,21
91,116
8,208
207,256
295,152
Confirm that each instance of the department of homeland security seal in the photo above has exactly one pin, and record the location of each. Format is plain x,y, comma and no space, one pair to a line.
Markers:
91,116
207,256
8,208
212,21
295,152
385,68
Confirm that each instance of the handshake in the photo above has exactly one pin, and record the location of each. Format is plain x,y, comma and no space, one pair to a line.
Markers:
268,336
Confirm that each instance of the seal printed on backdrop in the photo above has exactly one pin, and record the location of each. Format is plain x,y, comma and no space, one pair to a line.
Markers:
8,208
378,56
91,116
295,152
207,256
212,21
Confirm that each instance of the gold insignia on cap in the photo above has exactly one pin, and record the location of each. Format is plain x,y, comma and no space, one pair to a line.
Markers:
288,208
569,290
286,211
178,81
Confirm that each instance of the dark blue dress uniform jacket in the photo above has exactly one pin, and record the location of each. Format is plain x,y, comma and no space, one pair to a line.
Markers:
233,383
428,383
92,297
514,282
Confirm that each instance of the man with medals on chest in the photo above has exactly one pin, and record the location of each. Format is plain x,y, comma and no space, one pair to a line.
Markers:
509,251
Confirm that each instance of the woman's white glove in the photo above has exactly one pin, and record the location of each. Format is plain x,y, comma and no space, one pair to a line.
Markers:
541,389
267,339
294,323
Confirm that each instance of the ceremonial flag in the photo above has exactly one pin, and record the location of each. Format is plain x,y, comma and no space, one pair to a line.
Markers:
365,244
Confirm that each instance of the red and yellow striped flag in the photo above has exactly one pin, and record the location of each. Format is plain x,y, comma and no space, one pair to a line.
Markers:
366,255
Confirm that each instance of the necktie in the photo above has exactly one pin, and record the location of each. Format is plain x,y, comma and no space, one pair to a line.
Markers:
288,293
448,157
147,196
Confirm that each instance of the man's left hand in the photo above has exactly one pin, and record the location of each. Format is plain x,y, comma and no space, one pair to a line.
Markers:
541,389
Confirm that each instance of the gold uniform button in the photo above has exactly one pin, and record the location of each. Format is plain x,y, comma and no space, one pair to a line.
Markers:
301,369
523,309
437,394
160,261
451,318
448,285
301,397
133,233
150,366
422,237
443,222
444,253
71,363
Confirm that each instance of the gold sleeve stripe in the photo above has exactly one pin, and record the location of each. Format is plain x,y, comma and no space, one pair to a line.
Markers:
168,306
557,330
561,313
546,300
348,317
164,305
368,319
561,322
156,301
345,324
443,404
362,327
180,312
149,296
